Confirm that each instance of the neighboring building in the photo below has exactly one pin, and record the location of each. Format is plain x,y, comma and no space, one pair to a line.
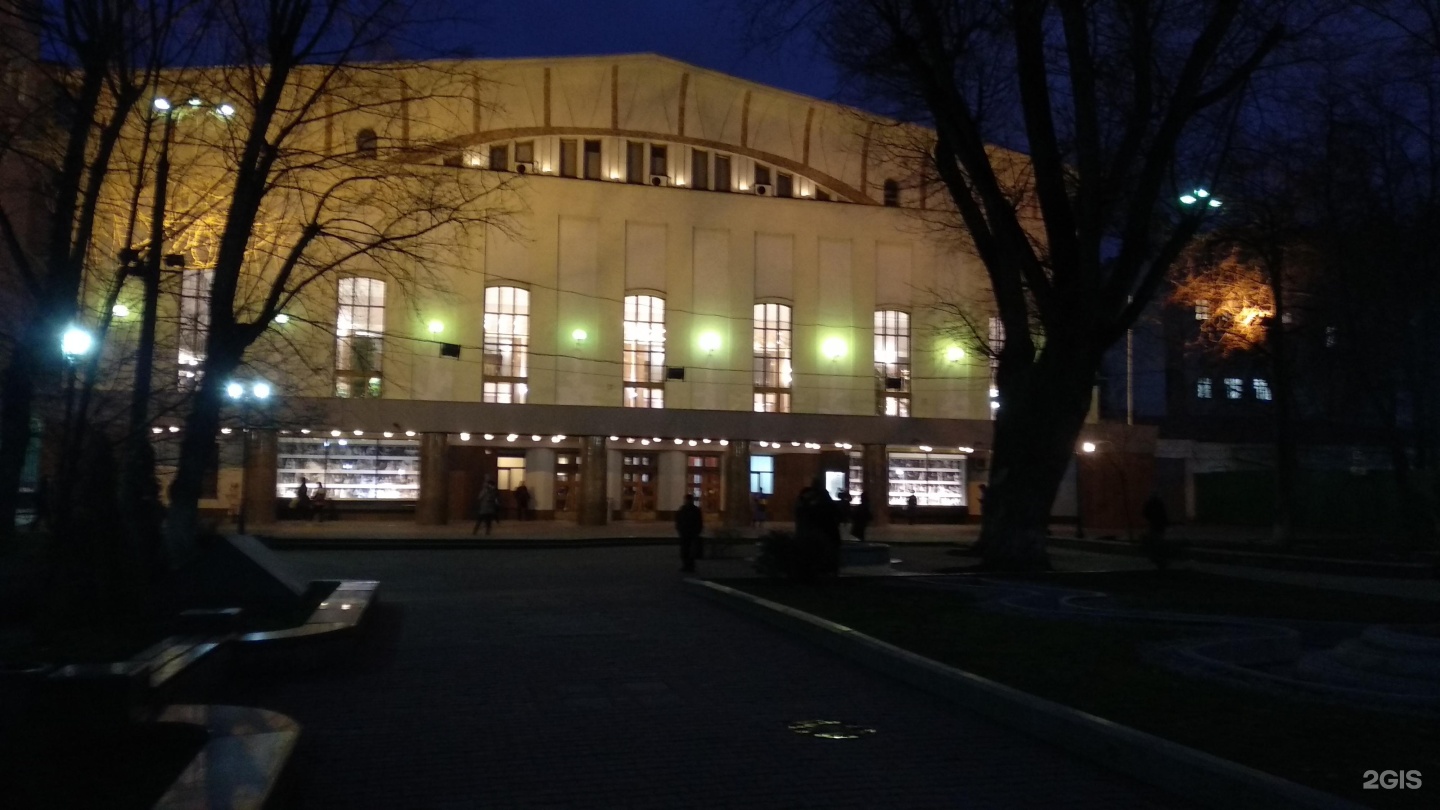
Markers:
710,287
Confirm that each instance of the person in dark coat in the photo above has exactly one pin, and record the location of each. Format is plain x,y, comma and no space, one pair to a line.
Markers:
302,499
522,502
487,506
817,524
912,507
860,517
689,524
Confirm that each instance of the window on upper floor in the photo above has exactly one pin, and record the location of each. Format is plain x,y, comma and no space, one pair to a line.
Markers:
507,344
659,160
367,144
359,337
643,361
634,162
822,195
1262,389
1331,337
762,175
699,169
592,160
568,161
194,324
1234,387
1203,389
772,358
892,362
722,173
1202,311
784,185
500,157
996,337
892,194
524,152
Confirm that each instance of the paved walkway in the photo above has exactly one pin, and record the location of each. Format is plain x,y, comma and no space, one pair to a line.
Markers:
588,678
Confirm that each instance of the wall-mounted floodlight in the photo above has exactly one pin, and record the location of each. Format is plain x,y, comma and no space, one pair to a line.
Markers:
435,327
833,348
1088,447
580,336
710,342
954,354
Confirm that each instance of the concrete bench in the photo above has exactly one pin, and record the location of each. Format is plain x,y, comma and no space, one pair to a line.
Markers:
334,623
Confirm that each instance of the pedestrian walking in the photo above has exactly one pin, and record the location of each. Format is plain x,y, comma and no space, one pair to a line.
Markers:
487,506
689,524
522,502
860,517
912,505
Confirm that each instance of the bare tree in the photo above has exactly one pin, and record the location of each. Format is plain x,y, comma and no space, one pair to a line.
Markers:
1120,108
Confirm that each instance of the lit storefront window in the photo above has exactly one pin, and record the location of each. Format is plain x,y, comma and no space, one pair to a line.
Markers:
350,469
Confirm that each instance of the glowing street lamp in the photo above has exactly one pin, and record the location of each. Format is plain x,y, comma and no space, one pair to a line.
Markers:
75,342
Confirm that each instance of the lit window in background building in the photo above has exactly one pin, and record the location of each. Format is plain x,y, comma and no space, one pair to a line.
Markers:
359,337
1203,388
1262,388
1202,311
772,358
643,361
194,324
507,345
762,475
1234,387
892,361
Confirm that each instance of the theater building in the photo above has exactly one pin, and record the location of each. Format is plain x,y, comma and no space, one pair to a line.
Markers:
708,286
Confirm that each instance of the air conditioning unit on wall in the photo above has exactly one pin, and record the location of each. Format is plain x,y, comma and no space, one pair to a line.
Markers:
764,190
659,180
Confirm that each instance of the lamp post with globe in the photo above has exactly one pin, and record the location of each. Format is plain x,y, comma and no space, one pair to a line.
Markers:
257,392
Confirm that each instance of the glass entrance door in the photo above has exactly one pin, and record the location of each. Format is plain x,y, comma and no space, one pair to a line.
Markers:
637,486
702,479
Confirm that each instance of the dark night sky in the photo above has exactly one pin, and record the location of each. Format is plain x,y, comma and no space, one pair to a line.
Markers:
708,33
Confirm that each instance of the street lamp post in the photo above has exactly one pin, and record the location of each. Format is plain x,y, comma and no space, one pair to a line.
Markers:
258,392
1086,448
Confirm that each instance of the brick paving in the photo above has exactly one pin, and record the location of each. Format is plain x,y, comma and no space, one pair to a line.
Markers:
587,678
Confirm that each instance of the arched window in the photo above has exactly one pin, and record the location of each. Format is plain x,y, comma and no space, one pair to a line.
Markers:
772,358
892,194
359,337
367,144
507,344
892,362
644,359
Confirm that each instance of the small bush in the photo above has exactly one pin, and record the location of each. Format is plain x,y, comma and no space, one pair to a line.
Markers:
794,557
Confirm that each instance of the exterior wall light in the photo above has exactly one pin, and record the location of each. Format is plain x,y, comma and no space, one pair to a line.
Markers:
833,348
1088,447
75,342
954,354
710,342
580,336
120,311
435,327
282,318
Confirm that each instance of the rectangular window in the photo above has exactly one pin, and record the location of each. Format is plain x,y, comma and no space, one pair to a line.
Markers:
592,160
507,341
822,195
1331,335
1262,389
500,158
359,337
524,151
1202,388
722,172
567,158
762,175
700,169
772,372
634,162
194,324
1202,311
643,360
934,479
896,406
784,185
762,475
892,361
997,343
1234,387
350,468
659,160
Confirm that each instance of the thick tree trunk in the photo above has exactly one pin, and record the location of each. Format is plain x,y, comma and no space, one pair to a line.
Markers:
202,424
1036,428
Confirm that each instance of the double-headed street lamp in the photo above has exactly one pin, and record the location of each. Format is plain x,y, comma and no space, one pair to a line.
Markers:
258,391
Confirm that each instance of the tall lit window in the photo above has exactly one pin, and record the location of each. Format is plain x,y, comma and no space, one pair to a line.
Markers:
507,344
194,323
644,360
892,361
1203,388
997,342
772,358
359,337
1234,387
1262,388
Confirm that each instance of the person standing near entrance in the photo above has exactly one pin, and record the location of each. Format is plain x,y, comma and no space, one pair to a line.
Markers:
302,499
487,505
689,524
912,506
860,517
522,502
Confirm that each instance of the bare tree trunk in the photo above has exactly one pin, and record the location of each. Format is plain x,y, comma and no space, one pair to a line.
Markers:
17,398
202,424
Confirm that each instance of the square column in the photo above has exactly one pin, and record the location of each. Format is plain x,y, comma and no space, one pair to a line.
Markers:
739,510
875,480
594,505
432,506
262,463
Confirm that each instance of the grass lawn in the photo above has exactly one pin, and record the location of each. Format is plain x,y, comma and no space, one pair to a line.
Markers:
1098,669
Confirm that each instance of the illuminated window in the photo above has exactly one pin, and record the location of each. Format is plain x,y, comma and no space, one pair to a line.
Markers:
500,157
1262,388
772,358
567,158
762,475
722,172
1234,387
699,169
1203,389
359,337
507,342
892,361
367,145
592,160
1202,311
892,194
644,356
996,338
194,323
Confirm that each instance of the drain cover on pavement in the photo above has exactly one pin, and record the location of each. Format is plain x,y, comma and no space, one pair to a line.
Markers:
829,729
